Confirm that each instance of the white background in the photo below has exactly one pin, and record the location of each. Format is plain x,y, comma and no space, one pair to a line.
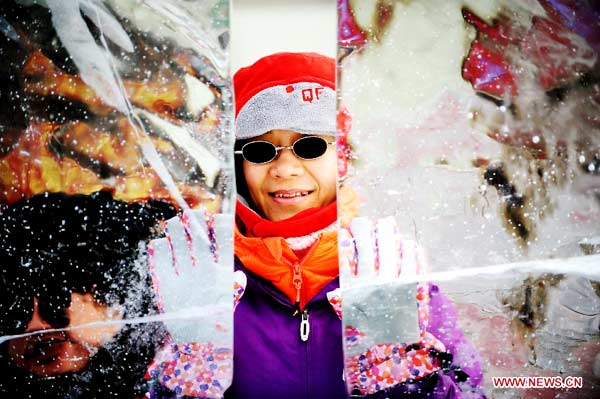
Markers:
262,27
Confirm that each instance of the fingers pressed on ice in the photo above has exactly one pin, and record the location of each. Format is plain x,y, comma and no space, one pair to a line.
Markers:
195,221
412,256
162,269
161,257
224,238
386,235
380,252
180,245
364,240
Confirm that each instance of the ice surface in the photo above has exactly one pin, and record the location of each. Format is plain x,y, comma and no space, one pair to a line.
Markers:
475,125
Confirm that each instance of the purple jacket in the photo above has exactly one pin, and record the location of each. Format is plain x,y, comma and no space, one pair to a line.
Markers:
271,361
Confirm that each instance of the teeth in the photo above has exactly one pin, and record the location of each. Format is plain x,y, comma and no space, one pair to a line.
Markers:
298,194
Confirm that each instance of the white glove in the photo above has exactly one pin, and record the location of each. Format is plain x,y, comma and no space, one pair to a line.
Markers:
374,261
381,314
192,269
193,276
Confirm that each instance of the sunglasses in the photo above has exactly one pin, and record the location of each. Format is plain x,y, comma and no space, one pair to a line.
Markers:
18,312
306,148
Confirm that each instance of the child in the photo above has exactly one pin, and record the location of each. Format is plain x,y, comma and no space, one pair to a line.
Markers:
288,339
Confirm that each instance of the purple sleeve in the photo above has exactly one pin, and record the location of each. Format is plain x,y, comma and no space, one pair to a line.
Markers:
443,324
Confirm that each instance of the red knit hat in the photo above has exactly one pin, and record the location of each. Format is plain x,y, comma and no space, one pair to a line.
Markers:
292,91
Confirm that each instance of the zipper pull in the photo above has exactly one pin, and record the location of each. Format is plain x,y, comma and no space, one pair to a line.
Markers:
304,326
297,281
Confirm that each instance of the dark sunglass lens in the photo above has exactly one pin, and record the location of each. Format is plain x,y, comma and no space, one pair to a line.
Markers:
259,152
310,147
54,313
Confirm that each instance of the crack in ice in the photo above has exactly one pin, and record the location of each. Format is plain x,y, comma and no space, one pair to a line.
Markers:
192,313
585,266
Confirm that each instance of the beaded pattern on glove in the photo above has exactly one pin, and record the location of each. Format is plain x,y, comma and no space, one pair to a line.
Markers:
353,336
191,369
385,365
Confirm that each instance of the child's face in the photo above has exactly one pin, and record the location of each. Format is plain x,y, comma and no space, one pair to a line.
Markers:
287,185
66,351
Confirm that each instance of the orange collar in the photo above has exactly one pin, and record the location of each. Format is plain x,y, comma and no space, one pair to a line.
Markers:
299,279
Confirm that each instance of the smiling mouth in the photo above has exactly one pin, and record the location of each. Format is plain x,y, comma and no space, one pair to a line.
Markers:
289,194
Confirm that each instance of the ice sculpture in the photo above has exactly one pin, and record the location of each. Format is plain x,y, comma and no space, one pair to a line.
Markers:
115,117
475,126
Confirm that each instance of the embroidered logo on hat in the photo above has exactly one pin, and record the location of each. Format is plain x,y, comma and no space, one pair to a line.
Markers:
312,94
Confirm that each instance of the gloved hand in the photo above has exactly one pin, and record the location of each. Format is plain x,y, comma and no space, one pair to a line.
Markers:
384,315
192,270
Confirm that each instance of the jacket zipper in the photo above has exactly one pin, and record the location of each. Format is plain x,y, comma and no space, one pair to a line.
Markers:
284,301
297,277
297,281
304,326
